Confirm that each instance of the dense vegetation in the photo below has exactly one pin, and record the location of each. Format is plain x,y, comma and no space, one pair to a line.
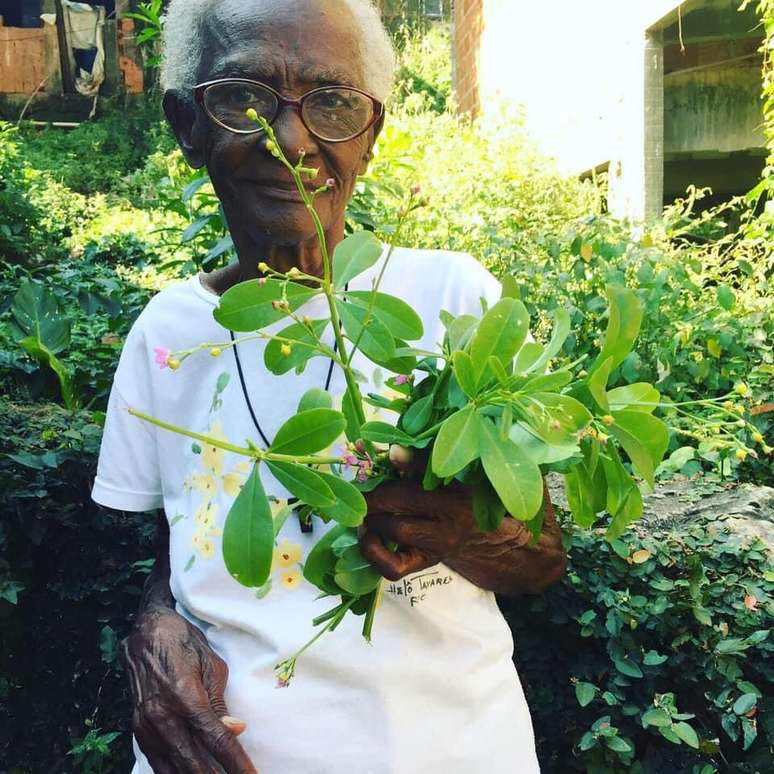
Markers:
658,665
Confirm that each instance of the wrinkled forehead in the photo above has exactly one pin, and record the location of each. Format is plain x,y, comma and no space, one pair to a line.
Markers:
306,41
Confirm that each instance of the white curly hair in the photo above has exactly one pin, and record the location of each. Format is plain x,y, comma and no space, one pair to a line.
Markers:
183,45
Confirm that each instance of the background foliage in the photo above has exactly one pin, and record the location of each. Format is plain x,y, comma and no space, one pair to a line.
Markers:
99,218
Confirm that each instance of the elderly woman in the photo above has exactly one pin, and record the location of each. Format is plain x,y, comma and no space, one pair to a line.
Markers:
437,690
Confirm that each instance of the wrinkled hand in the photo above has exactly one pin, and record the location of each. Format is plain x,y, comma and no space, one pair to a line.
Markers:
180,718
428,527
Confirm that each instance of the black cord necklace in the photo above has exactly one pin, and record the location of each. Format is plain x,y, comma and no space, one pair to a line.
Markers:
306,524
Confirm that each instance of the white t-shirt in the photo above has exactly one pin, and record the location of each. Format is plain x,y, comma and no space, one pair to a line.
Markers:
436,692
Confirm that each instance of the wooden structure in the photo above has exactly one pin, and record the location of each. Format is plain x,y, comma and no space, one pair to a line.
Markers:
37,67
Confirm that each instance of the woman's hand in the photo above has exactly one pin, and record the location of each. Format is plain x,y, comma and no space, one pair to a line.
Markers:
180,718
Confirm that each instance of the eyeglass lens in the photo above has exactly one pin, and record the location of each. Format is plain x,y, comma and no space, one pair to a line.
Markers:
336,113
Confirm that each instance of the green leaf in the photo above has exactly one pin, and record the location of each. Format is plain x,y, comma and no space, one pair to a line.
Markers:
745,703
687,734
465,373
417,416
597,384
624,501
500,333
653,658
382,432
348,404
560,418
585,693
515,477
350,507
302,348
461,331
248,305
35,348
644,438
579,490
353,255
624,320
399,318
320,564
354,574
37,313
456,444
308,432
373,338
634,397
315,398
488,510
510,287
628,668
304,483
656,717
726,297
248,534
616,744
528,357
558,336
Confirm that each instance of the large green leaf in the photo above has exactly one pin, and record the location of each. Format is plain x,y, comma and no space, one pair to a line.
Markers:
308,432
579,489
373,338
634,397
465,373
38,315
304,483
382,432
417,416
540,452
500,333
624,320
399,318
35,348
645,439
457,442
597,384
354,574
515,477
353,255
624,501
527,358
559,419
320,564
350,507
248,534
301,350
488,509
315,398
461,330
248,306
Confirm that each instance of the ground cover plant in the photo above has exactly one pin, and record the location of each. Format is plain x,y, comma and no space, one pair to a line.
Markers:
707,329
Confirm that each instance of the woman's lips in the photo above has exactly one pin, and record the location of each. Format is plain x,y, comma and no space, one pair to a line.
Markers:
277,190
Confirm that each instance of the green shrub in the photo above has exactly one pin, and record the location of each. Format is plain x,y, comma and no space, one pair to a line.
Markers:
653,655
59,677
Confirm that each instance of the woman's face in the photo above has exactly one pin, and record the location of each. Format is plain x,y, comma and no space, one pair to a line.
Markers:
294,47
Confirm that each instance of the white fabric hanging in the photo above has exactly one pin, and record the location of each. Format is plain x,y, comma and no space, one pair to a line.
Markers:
85,29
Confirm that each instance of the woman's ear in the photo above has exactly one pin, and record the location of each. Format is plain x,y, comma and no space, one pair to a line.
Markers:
369,151
181,115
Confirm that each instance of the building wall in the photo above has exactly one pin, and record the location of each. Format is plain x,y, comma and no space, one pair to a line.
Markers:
468,32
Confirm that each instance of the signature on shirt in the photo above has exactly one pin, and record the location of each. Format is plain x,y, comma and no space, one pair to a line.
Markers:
416,588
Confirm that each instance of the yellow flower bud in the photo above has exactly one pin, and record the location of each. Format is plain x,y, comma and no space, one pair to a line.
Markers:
741,454
728,405
173,363
757,437
286,349
216,351
294,272
742,389
608,419
251,114
602,438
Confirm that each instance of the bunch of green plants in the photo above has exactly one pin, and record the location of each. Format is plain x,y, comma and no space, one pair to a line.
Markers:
654,654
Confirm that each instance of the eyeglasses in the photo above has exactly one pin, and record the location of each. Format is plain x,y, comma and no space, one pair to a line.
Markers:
330,113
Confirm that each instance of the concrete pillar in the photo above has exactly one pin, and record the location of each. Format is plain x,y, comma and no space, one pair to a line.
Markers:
653,130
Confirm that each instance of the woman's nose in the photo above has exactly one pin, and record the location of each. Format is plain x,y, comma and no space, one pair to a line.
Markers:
292,134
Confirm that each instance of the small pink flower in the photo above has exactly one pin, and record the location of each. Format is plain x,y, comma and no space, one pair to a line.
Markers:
415,189
350,460
330,182
401,379
162,357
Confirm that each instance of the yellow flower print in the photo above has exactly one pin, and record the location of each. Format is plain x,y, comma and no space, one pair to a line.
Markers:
212,457
286,554
206,515
232,483
242,467
291,579
203,544
204,484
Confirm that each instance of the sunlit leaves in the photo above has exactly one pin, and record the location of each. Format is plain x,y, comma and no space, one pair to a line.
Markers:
372,337
457,442
397,316
624,320
645,439
248,535
500,333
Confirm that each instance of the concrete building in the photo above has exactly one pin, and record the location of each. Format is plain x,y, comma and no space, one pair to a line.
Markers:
656,93
38,66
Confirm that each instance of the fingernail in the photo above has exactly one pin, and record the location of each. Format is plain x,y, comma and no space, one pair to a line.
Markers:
235,725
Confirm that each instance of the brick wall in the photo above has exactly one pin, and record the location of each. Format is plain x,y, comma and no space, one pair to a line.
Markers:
468,27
